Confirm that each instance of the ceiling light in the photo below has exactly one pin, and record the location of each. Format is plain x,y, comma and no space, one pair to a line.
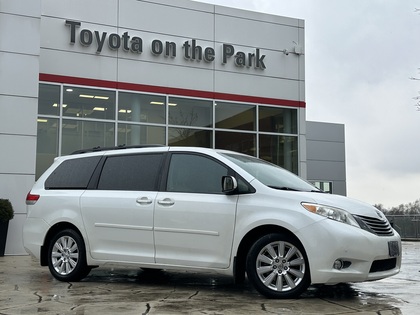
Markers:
99,109
94,96
42,120
69,90
161,103
125,111
56,105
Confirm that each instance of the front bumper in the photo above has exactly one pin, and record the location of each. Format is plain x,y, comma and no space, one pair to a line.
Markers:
366,255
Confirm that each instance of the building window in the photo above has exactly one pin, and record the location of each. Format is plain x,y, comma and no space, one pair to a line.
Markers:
71,118
281,120
136,134
77,134
49,99
324,186
280,150
190,137
235,116
236,141
46,143
190,112
88,103
141,108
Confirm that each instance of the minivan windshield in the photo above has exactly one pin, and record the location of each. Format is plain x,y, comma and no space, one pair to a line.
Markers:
269,174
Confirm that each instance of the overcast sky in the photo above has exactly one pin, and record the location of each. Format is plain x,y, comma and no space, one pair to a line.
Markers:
359,56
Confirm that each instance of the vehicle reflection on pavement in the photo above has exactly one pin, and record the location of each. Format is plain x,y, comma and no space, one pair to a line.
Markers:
27,288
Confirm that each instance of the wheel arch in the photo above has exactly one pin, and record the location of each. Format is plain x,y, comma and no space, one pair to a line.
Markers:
252,236
51,232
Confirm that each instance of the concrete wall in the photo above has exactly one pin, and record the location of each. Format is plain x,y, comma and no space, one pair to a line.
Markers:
326,156
19,72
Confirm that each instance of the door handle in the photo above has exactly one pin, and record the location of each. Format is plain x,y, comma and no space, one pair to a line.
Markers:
144,201
166,202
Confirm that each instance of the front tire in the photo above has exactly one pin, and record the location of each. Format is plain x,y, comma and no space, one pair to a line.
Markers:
67,256
277,266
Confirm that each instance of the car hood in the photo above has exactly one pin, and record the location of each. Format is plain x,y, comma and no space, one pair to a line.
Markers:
351,205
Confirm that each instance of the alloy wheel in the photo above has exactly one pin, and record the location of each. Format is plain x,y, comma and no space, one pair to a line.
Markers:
65,255
280,266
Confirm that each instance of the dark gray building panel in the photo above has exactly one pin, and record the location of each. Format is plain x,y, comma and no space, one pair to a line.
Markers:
325,151
325,131
326,157
326,170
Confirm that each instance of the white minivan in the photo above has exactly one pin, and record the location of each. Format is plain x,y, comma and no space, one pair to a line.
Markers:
201,209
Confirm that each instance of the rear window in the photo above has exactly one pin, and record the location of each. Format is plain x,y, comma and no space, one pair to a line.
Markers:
72,174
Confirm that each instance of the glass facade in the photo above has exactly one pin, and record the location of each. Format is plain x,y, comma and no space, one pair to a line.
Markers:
73,117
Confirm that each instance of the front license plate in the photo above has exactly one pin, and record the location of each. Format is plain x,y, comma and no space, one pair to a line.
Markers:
394,249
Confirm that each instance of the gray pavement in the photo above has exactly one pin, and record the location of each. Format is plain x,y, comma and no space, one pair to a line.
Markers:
27,288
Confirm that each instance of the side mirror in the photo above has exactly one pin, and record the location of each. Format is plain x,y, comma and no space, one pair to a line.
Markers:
229,184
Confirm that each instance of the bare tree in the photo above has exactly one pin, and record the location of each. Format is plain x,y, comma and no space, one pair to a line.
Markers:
416,98
183,119
403,209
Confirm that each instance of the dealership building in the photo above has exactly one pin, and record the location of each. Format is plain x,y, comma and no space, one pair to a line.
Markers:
81,74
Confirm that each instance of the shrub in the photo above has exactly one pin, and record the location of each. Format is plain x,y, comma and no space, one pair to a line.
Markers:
6,210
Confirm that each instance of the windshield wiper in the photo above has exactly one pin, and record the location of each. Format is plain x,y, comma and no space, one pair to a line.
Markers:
318,191
283,188
294,189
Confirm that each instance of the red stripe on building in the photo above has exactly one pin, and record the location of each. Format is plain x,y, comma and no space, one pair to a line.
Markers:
168,90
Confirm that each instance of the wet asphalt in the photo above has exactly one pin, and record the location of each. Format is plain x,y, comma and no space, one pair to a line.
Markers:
27,288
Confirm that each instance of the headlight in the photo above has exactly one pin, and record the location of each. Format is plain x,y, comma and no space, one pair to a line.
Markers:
336,214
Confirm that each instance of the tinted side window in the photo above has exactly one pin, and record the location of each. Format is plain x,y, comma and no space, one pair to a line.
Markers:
195,173
131,172
72,174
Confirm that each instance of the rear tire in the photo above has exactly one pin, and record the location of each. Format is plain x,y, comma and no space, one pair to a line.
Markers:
67,256
277,266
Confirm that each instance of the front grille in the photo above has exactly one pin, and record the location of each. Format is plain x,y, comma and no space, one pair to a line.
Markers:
380,227
383,265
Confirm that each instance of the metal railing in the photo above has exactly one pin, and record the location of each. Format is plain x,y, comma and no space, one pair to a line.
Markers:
408,226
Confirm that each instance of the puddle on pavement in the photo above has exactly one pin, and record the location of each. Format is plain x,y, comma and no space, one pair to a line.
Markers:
150,277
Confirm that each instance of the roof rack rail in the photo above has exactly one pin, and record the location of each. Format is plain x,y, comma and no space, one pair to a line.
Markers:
120,147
